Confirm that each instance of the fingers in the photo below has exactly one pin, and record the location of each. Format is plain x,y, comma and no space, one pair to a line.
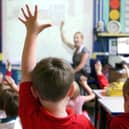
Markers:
36,11
25,15
23,21
28,11
44,26
47,25
8,80
23,12
28,14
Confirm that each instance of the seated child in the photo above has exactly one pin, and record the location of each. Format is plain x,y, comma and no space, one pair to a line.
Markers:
10,106
77,100
9,81
8,72
122,121
46,87
115,87
2,112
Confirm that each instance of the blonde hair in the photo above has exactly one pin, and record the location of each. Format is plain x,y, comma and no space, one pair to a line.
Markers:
76,91
80,33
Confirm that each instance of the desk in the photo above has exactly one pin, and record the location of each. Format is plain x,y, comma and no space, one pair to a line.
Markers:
110,105
113,105
100,93
105,104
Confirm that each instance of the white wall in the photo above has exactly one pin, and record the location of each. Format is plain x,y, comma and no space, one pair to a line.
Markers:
77,14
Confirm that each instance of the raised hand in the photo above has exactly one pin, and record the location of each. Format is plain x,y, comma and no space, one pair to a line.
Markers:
61,25
31,21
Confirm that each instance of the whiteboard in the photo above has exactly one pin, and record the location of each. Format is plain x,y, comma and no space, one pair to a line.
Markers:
52,11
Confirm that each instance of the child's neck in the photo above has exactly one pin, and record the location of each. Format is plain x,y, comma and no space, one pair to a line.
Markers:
58,109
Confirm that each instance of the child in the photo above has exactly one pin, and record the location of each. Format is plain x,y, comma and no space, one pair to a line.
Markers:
78,100
9,68
122,121
2,112
101,78
10,106
122,74
9,81
51,83
8,72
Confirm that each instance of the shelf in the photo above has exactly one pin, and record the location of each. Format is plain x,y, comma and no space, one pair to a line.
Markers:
106,34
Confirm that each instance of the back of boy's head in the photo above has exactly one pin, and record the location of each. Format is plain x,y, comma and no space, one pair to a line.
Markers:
52,78
126,87
10,98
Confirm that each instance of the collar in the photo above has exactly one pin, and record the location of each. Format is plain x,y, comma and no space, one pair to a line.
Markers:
55,119
80,49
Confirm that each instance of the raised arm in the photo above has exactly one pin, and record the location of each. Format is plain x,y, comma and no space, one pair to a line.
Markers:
8,68
91,95
33,29
8,80
101,78
70,45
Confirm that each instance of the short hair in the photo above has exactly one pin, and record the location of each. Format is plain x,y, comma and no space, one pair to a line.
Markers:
1,97
2,89
126,87
80,33
52,78
10,101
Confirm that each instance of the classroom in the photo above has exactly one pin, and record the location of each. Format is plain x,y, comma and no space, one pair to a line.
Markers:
64,64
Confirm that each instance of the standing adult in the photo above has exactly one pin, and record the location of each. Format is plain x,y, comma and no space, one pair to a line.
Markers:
81,62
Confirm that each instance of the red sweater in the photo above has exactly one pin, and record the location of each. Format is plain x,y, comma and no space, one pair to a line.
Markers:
102,80
8,73
34,116
120,122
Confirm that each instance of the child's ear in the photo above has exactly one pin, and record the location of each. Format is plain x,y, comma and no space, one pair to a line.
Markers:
126,98
34,92
71,90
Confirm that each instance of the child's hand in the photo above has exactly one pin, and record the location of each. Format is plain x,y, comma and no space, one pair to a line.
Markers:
8,66
8,81
31,21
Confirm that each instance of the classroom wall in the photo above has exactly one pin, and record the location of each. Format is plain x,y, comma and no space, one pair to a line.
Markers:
77,14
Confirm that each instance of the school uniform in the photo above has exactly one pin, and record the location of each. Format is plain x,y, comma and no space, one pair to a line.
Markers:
120,121
77,104
102,81
34,116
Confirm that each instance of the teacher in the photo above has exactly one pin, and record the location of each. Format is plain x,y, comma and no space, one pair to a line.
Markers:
81,63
